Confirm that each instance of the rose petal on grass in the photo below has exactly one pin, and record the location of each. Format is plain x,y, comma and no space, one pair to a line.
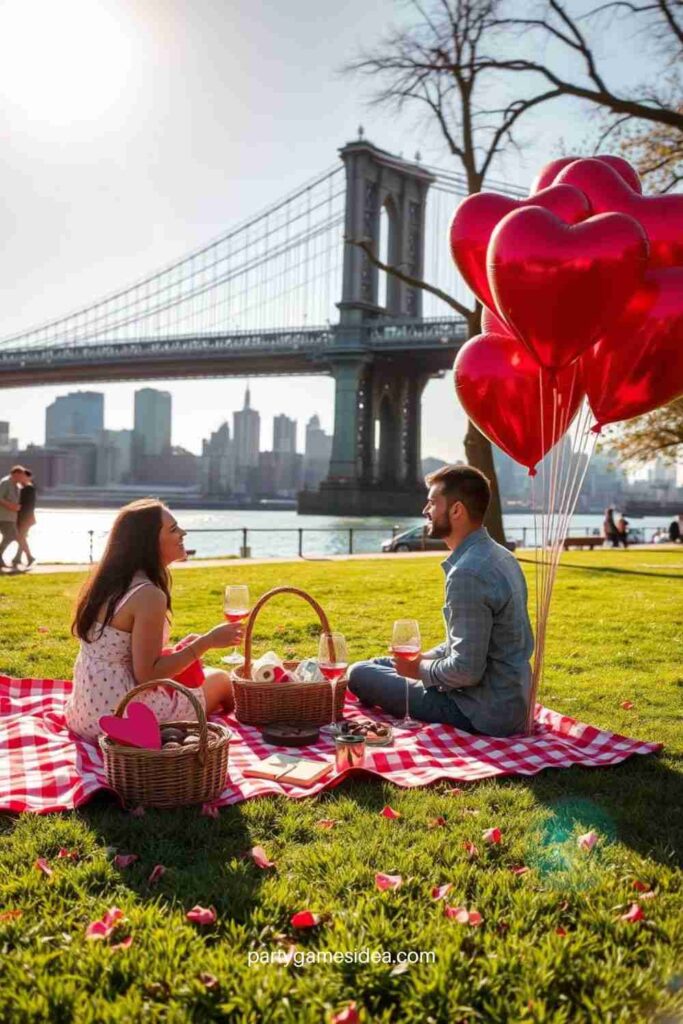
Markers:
43,629
209,981
388,881
260,858
210,810
475,918
439,891
326,823
42,865
649,895
201,915
587,841
436,822
158,871
103,928
64,854
389,812
641,886
124,860
471,851
627,705
461,914
560,931
10,915
124,943
455,791
520,870
492,835
349,1015
304,919
634,913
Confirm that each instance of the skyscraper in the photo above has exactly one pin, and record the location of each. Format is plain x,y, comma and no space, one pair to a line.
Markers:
152,427
247,434
317,456
78,414
284,434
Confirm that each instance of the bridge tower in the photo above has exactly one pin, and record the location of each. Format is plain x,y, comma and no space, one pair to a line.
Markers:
375,463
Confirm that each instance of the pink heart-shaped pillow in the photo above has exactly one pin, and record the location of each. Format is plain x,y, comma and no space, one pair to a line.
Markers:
138,728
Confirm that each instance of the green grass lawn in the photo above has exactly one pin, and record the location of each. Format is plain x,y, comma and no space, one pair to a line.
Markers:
616,634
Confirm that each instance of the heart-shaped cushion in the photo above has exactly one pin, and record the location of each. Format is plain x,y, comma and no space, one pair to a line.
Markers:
477,216
638,365
660,216
560,286
549,174
138,728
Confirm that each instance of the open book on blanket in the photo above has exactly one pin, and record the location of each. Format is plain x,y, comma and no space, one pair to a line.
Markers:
299,771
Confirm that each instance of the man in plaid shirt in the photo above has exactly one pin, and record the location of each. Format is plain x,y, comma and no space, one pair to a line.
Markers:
479,679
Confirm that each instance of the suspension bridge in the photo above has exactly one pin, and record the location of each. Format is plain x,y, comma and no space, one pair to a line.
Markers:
284,292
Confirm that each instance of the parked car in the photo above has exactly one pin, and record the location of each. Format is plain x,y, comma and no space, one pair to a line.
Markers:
414,540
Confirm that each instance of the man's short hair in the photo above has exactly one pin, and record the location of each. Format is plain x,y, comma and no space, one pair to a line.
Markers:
465,484
18,469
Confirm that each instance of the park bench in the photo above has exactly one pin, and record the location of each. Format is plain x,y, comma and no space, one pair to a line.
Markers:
583,542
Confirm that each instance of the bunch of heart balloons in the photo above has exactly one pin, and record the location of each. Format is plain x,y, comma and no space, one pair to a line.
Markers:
582,289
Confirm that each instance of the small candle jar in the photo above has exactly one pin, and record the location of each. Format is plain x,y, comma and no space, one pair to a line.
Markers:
349,752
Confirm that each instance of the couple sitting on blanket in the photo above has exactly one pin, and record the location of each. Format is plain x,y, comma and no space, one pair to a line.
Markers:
478,680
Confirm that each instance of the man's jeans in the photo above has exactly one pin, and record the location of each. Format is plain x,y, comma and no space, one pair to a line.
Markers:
377,682
8,533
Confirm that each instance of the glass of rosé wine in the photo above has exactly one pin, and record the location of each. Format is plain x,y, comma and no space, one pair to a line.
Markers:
406,644
236,608
333,660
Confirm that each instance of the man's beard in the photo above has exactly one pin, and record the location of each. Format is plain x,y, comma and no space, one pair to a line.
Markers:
439,528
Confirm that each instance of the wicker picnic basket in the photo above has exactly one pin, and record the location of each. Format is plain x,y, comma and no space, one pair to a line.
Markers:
266,703
190,774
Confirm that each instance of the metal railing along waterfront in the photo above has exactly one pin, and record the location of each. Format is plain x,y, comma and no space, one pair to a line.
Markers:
523,536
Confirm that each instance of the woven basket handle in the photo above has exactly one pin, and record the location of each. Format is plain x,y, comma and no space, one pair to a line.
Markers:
186,692
324,622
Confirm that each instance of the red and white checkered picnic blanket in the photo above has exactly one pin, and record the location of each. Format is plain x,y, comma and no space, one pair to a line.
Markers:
44,767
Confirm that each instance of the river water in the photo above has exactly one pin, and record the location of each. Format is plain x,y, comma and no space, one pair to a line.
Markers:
62,535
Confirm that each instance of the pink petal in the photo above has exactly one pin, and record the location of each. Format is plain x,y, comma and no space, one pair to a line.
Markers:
260,858
67,854
113,915
521,870
460,914
208,980
634,913
492,835
43,629
649,895
389,812
201,915
157,872
439,891
124,860
587,841
326,823
475,917
436,822
210,810
471,850
627,705
42,865
304,919
388,881
349,1015
456,791
641,886
124,944
560,931
97,930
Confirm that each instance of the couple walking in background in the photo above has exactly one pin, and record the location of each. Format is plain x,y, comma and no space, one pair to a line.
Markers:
17,514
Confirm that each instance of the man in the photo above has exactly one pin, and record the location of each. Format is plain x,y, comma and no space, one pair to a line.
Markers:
479,679
9,506
26,518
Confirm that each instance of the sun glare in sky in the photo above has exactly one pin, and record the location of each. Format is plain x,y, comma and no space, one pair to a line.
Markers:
63,61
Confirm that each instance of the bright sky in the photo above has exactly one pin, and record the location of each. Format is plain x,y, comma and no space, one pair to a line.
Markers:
133,131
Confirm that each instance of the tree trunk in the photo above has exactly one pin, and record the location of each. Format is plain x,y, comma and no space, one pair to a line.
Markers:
478,453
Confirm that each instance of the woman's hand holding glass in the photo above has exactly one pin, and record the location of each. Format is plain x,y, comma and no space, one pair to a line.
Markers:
236,607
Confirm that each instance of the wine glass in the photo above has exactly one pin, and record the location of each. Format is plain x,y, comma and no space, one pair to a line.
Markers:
406,643
333,660
236,607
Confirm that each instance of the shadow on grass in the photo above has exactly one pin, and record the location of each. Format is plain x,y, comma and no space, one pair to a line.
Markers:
203,856
611,571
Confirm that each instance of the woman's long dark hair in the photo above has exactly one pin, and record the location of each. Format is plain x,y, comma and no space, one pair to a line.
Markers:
133,547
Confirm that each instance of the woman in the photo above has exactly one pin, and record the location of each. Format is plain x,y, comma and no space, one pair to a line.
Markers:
26,518
122,620
609,528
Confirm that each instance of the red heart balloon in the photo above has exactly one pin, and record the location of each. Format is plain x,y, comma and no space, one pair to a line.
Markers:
497,383
139,727
660,216
549,173
638,366
492,324
559,286
477,216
